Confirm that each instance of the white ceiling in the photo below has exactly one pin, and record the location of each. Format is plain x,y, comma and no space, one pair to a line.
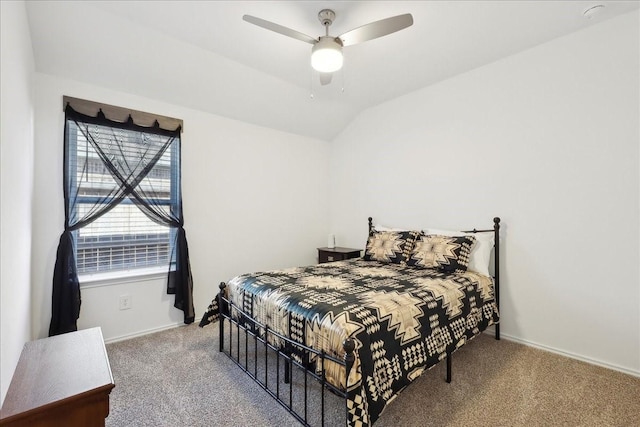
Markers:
202,55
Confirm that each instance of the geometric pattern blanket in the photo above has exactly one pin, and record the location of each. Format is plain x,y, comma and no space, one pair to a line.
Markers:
403,320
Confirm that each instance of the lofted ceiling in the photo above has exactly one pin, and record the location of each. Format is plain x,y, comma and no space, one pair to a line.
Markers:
202,55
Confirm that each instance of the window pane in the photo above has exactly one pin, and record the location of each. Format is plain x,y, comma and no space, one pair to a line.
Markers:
94,180
124,238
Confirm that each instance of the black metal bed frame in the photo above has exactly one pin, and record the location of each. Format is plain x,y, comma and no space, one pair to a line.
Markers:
260,333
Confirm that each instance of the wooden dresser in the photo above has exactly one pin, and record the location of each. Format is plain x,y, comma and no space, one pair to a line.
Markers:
64,380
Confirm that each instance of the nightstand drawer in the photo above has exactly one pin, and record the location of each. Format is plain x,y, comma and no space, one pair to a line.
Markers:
336,254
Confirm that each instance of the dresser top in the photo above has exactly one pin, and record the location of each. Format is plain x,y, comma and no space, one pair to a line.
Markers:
54,369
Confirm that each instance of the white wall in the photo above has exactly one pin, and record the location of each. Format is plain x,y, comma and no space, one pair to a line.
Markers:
546,139
16,184
254,198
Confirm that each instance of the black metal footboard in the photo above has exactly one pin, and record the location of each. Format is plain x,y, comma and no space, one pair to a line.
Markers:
259,351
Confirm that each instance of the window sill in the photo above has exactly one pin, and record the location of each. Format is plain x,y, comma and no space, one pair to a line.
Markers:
124,276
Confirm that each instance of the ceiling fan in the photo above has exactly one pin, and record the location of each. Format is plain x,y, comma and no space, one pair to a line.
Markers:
326,53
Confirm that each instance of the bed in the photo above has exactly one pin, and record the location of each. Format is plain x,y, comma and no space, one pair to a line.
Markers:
363,328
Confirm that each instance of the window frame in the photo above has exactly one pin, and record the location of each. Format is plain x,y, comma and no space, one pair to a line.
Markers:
130,274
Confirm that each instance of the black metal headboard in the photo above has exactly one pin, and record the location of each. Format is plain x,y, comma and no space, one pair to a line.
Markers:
496,258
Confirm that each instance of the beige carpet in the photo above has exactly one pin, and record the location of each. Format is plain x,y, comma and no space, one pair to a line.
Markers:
178,378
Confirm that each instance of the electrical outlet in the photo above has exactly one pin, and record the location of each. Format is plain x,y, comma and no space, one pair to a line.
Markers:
125,302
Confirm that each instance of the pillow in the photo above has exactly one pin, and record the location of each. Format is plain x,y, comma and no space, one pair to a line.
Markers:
480,253
389,246
448,253
379,227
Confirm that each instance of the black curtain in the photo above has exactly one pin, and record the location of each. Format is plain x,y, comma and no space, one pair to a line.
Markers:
128,157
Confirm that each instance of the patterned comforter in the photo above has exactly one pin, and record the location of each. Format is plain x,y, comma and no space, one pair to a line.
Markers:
402,319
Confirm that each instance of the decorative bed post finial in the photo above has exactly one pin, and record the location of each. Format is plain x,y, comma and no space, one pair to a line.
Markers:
349,346
370,224
222,294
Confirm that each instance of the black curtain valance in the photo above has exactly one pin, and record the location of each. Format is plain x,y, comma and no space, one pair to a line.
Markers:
97,113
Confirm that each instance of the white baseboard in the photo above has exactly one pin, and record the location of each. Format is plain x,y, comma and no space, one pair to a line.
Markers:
147,332
489,330
566,353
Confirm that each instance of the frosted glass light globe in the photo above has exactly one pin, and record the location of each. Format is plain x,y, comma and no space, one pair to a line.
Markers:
326,55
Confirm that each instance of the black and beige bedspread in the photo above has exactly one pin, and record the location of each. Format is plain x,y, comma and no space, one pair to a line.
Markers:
402,319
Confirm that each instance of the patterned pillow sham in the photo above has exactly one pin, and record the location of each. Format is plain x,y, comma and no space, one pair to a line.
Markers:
480,256
391,247
448,253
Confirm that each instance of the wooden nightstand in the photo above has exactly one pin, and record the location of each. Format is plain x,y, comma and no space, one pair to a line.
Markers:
337,254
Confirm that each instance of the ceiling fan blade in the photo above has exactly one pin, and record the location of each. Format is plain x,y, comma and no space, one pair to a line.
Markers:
325,78
279,29
376,29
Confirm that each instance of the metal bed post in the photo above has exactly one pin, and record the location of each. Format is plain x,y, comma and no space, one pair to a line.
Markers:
221,297
496,246
496,276
349,346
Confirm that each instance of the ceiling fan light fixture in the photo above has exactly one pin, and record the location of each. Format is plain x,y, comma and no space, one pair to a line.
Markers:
326,55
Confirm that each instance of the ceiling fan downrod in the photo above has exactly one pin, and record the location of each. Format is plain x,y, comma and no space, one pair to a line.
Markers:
326,17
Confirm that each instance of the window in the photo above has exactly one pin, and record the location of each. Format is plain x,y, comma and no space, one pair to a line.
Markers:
123,238
122,201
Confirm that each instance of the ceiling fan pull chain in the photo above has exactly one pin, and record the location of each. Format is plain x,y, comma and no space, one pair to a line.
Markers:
311,94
